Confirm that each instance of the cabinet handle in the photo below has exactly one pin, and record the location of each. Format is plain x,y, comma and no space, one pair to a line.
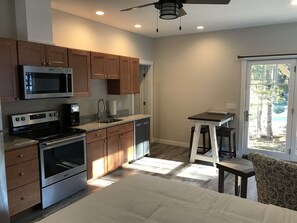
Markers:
20,155
43,63
49,63
23,198
96,135
21,174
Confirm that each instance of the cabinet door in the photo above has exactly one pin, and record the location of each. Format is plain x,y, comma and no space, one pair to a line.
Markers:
79,60
127,140
96,159
125,77
56,56
98,65
8,70
112,66
135,76
31,53
114,153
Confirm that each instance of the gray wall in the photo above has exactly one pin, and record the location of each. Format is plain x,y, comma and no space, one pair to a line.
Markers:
196,73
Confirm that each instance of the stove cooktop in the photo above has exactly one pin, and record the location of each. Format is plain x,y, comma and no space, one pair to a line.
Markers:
52,133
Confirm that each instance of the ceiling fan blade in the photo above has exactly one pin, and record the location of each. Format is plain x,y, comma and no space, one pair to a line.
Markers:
223,2
181,12
140,6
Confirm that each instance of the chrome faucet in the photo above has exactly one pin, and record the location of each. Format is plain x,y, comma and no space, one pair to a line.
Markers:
99,113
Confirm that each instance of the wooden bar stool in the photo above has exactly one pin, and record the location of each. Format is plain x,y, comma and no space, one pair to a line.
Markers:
204,130
229,133
240,168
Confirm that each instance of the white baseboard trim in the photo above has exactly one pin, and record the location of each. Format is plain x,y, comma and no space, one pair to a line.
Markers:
173,143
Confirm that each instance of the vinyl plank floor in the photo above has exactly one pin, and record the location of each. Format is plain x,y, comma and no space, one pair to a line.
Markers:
166,161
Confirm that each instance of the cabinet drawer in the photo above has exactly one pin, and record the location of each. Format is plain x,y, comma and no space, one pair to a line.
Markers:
23,197
21,155
96,135
119,129
22,173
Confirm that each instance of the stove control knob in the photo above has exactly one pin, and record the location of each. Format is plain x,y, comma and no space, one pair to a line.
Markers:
51,115
23,118
56,114
17,119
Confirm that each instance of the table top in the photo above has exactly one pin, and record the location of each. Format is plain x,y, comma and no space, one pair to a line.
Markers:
216,117
237,166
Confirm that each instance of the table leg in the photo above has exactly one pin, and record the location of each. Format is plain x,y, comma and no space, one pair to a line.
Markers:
236,186
243,187
221,181
214,144
195,142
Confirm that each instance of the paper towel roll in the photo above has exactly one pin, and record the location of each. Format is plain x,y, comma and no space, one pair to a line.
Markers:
112,108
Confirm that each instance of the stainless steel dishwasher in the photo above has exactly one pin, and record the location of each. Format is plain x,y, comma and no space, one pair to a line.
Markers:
142,137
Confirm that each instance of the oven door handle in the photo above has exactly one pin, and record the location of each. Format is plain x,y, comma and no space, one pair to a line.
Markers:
59,141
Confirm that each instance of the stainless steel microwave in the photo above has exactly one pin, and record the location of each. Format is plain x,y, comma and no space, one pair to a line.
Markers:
45,82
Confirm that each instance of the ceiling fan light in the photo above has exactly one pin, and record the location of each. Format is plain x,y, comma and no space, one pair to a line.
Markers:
169,10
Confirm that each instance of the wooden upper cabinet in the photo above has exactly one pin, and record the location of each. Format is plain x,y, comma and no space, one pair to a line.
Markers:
56,56
104,66
135,76
129,82
112,64
97,65
125,77
79,61
37,54
8,70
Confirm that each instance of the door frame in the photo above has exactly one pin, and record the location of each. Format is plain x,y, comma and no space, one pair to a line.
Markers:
242,129
150,78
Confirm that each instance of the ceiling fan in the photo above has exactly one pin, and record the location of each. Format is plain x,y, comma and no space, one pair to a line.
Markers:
172,9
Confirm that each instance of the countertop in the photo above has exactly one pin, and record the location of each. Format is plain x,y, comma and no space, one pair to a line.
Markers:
14,142
92,126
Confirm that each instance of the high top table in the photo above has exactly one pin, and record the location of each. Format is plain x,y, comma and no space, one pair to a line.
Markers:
211,119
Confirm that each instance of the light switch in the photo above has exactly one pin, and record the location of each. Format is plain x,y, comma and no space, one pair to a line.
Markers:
231,106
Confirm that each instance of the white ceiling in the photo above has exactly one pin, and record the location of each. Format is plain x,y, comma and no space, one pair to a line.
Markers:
237,14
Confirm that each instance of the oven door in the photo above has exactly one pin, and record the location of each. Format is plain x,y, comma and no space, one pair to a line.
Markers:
62,158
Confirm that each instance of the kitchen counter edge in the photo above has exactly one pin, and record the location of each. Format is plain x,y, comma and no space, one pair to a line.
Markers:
93,126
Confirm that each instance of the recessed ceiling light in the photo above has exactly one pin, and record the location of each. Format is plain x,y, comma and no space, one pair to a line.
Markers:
137,26
99,13
294,2
200,27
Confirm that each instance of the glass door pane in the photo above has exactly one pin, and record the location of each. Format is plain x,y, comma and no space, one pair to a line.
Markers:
269,105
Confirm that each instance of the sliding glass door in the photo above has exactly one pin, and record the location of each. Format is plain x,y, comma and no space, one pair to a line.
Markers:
270,101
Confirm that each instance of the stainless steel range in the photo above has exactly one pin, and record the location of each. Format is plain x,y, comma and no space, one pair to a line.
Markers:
62,153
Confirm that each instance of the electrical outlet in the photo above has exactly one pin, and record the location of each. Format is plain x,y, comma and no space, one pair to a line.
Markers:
231,106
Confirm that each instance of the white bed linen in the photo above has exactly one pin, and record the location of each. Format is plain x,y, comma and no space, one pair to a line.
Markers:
142,198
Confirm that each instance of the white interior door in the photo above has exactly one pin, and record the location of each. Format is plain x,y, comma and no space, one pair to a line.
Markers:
270,101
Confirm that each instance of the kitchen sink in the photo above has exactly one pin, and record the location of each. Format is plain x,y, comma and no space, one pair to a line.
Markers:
110,120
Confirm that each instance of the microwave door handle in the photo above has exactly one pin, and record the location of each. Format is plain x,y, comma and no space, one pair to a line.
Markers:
68,139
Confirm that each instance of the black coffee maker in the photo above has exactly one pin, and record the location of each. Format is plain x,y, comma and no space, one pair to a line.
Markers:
71,114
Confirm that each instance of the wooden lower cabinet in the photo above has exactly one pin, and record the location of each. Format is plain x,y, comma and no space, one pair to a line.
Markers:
114,153
96,154
108,149
128,146
24,197
23,184
96,159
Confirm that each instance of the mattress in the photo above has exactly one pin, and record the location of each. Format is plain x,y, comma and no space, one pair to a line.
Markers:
142,198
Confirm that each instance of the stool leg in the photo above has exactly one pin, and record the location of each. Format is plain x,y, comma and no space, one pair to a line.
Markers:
221,181
191,140
230,151
204,143
209,143
243,187
221,142
234,145
236,186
